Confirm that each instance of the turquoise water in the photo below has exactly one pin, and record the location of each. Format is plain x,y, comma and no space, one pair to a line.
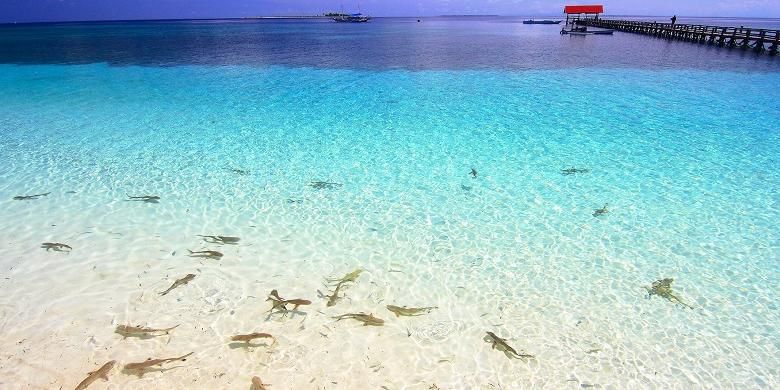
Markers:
685,159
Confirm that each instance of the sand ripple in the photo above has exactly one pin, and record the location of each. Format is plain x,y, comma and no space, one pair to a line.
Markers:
437,331
288,356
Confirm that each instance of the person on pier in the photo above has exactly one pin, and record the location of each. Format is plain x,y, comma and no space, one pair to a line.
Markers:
674,19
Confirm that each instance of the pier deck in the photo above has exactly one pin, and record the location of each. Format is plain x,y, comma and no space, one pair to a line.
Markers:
746,38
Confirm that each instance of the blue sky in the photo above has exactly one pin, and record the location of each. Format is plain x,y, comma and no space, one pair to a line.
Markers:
58,10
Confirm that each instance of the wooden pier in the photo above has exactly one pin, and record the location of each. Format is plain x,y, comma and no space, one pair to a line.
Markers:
755,39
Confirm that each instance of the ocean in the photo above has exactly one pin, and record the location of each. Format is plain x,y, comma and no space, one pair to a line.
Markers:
436,157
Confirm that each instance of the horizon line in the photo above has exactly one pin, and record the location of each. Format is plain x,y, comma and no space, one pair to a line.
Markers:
321,16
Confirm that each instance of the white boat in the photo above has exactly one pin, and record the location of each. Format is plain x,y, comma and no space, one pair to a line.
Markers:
353,18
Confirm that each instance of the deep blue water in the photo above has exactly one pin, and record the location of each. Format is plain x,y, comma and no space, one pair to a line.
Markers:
385,43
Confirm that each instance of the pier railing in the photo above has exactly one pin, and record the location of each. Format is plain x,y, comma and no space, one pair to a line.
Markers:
758,40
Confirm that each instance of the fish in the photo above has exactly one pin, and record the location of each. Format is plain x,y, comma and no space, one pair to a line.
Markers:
324,185
154,362
334,297
663,288
276,301
56,246
249,337
128,330
221,239
601,211
572,171
349,277
237,171
473,173
207,254
100,373
179,282
410,311
145,198
297,302
366,319
257,384
501,345
30,197
280,303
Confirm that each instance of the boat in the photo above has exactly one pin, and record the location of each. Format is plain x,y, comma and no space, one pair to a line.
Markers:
352,18
531,21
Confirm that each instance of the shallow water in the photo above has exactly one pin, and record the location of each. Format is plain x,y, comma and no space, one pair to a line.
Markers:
684,158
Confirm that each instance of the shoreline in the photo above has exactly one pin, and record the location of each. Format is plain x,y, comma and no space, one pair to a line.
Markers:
535,204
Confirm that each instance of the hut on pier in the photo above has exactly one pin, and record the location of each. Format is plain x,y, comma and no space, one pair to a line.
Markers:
576,12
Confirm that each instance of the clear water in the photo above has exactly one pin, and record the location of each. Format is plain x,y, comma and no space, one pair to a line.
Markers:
681,141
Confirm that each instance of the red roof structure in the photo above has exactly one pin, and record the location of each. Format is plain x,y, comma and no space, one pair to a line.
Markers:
583,9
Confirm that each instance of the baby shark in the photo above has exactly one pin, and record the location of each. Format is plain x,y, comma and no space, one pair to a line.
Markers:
501,345
179,282
366,319
573,171
257,384
410,311
206,254
100,373
221,239
145,198
349,277
334,297
280,304
30,197
324,185
140,331
56,246
663,288
247,338
141,367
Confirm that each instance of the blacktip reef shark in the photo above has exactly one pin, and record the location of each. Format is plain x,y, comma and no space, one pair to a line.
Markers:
179,282
56,246
221,239
30,197
501,345
409,311
257,384
573,171
206,254
280,304
366,319
601,211
144,198
100,373
324,185
140,368
140,331
663,288
247,338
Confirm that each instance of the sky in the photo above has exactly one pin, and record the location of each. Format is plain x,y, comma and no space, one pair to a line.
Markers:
70,10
